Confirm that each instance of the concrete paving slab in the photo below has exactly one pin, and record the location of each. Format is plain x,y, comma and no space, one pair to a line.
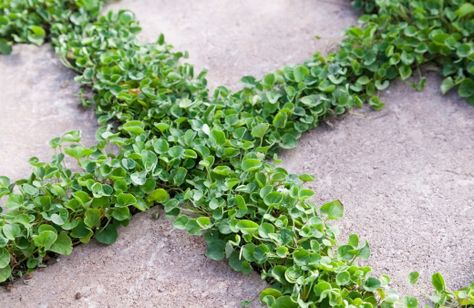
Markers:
406,177
39,101
243,37
151,265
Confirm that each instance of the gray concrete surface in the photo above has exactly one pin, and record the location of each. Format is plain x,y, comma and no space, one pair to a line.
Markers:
405,174
406,177
39,101
152,265
243,37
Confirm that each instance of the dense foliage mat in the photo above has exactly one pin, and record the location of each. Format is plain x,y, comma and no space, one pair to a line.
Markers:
209,160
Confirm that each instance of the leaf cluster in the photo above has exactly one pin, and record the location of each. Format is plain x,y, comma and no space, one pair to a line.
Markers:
209,159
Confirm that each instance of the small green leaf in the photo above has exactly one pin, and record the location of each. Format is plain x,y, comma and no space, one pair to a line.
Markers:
222,170
134,127
45,239
333,209
466,88
126,199
343,278
204,222
247,226
138,178
5,273
121,213
11,231
63,245
306,178
465,10
310,100
92,218
36,35
376,103
413,277
447,84
108,235
251,164
218,136
180,175
5,47
159,195
216,250
270,291
4,257
372,284
30,189
405,72
273,198
438,283
300,73
464,50
149,160
284,302
411,302
259,130
280,119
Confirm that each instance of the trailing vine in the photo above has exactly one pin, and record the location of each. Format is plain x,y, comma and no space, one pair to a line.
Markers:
210,160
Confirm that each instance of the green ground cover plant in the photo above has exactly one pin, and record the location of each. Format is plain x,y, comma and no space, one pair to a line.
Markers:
210,159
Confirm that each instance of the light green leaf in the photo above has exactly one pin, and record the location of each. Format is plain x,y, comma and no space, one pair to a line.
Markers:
413,277
4,257
45,239
447,84
159,195
92,218
438,283
343,278
63,245
333,209
259,130
247,226
280,119
251,164
204,222
5,273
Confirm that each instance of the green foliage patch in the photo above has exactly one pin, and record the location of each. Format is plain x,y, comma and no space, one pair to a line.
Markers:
209,160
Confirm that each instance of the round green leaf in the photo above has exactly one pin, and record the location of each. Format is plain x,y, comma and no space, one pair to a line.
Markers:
45,239
92,218
108,235
247,226
63,245
333,209
5,273
251,164
438,283
5,47
159,195
343,278
372,284
466,88
4,257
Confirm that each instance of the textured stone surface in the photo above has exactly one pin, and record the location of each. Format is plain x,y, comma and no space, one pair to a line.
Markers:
405,174
151,265
38,99
406,177
236,38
